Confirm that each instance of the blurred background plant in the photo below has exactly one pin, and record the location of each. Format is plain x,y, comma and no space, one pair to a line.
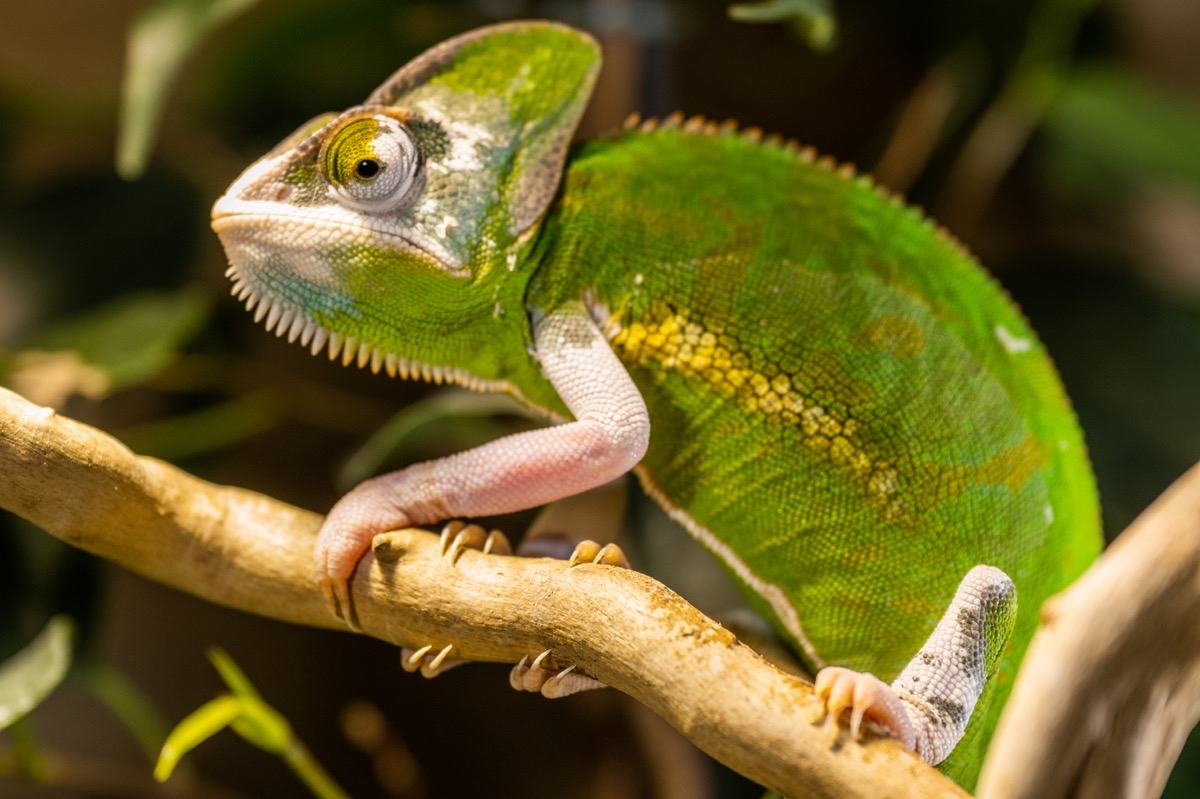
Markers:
1060,139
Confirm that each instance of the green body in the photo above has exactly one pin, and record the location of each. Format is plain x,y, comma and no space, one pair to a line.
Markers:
854,427
843,405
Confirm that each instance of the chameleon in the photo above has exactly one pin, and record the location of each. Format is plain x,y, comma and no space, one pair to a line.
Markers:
817,382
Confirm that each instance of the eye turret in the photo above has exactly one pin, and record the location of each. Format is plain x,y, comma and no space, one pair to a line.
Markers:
372,164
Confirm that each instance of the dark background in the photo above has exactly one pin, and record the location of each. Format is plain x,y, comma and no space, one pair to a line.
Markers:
1060,140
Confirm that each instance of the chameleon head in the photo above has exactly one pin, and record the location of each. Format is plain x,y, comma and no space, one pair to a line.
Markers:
382,231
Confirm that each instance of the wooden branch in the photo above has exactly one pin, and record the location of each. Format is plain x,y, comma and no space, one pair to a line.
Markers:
1111,685
250,552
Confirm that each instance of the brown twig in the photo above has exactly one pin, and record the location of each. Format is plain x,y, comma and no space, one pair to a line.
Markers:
1111,685
248,551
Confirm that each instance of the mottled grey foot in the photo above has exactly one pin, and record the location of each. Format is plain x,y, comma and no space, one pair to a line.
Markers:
928,706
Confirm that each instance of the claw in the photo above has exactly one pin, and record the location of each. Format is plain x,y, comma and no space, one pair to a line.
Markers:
497,543
336,591
550,683
457,536
410,659
516,677
530,677
567,682
867,697
415,660
536,665
435,665
591,552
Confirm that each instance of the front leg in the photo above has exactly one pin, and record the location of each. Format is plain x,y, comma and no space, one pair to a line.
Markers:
608,437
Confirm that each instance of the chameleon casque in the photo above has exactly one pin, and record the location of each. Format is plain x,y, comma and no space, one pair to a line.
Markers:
819,384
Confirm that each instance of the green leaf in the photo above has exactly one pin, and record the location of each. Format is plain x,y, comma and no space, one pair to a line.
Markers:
1112,120
124,343
232,674
814,19
32,674
196,728
199,432
263,726
250,717
131,706
159,42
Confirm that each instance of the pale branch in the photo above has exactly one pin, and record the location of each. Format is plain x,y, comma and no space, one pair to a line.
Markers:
1110,687
247,551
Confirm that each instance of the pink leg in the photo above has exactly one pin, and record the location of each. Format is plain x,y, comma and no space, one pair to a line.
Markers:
607,438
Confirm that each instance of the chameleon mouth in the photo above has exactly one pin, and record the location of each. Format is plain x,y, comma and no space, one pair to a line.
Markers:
283,318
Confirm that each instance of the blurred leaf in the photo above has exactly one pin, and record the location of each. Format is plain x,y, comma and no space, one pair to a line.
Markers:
159,42
196,728
262,725
28,752
32,674
1110,119
814,19
250,717
122,344
200,432
232,674
467,415
125,700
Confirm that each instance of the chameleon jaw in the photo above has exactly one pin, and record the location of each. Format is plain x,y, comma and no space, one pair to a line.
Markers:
283,318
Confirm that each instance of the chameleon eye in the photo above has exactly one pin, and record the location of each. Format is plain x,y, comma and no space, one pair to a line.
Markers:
372,165
367,168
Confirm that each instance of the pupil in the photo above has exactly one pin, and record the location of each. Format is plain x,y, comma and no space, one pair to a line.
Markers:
367,168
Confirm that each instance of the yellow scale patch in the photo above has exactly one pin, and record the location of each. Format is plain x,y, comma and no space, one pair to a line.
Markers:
673,342
668,340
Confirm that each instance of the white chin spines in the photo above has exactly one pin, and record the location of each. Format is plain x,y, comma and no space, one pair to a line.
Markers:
280,318
277,316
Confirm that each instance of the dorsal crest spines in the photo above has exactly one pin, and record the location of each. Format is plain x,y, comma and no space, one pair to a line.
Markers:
699,125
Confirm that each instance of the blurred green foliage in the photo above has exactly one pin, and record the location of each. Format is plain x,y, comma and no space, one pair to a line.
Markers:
113,307
159,42
1110,124
30,675
244,711
814,19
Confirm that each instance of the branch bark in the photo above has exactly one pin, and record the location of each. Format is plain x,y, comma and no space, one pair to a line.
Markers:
1110,687
247,551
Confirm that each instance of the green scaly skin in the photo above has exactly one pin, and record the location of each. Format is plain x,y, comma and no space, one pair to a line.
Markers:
842,404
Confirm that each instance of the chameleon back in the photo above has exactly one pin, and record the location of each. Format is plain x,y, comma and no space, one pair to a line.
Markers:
845,408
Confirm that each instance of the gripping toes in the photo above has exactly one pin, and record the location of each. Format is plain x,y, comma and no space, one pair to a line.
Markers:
867,697
333,578
551,683
591,552
458,536
428,661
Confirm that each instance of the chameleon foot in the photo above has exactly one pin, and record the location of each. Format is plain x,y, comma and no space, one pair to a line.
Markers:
430,667
457,536
867,697
591,552
928,706
550,683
